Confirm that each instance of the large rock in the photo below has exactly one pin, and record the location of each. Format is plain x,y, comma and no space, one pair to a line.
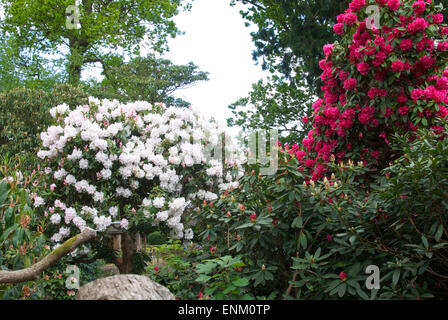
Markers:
124,287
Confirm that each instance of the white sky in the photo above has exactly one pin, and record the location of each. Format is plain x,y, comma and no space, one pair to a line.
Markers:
216,40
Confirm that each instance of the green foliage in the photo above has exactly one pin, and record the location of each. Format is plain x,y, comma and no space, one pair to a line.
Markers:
21,238
191,272
39,28
148,79
290,34
172,266
223,279
24,115
17,71
314,240
274,103
156,238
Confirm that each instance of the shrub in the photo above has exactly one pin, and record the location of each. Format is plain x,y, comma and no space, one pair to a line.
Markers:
22,241
137,164
315,240
190,272
24,114
377,82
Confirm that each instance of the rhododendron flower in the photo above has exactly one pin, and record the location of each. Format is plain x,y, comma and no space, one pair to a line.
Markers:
300,154
418,25
349,18
124,150
397,66
406,44
124,223
350,84
393,4
363,68
403,110
253,217
343,276
338,28
309,163
328,48
437,18
442,46
356,5
419,7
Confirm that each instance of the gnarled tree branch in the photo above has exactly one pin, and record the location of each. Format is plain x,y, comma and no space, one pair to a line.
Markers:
33,272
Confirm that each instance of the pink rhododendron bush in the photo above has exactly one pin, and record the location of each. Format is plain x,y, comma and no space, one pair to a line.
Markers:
359,209
377,82
136,165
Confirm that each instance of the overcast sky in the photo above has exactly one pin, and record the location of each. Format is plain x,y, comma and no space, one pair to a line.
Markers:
216,40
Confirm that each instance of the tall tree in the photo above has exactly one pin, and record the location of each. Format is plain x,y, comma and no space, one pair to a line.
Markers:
106,28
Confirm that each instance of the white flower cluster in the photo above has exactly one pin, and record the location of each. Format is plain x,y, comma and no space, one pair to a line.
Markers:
115,153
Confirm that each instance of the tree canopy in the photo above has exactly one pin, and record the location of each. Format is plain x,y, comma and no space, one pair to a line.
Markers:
107,29
149,79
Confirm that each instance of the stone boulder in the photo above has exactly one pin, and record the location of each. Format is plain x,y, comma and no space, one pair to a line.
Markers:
124,287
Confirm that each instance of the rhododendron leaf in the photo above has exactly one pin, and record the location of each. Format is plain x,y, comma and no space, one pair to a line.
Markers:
439,233
395,277
242,282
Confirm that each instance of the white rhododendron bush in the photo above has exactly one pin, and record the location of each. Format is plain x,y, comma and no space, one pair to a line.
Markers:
132,164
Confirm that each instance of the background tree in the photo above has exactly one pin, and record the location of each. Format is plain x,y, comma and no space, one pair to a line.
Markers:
149,79
18,71
273,103
107,28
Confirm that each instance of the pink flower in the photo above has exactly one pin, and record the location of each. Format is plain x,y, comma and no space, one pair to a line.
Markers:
419,7
363,68
343,75
442,46
343,276
418,25
328,48
253,217
397,66
437,18
416,94
403,110
338,28
350,84
309,163
357,5
350,18
300,154
393,4
329,237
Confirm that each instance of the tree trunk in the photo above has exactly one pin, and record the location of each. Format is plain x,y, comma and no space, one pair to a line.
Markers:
75,60
128,249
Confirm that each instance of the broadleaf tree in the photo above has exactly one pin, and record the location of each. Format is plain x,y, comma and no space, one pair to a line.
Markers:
106,29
